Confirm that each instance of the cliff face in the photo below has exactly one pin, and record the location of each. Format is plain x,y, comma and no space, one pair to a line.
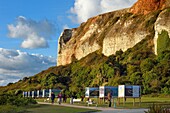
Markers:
162,23
147,6
113,31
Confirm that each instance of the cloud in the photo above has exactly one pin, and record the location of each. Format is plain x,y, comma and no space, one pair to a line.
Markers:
15,65
34,34
84,9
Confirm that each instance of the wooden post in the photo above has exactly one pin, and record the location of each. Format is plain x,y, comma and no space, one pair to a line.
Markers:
118,101
133,101
112,101
97,100
103,100
124,101
139,101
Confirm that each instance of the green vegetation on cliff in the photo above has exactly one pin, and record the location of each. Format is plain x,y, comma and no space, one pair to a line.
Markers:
163,42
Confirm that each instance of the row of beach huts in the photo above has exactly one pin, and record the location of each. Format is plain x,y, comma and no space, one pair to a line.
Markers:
133,91
41,93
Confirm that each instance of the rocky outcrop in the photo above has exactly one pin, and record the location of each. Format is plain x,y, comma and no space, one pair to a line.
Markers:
112,31
147,6
162,23
62,43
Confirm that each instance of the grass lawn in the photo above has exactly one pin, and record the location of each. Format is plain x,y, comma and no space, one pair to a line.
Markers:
11,109
146,102
56,109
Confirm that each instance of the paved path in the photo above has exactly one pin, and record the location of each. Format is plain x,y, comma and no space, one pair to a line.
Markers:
103,109
123,111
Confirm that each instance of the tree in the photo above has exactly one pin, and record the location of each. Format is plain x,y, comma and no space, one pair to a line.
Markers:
148,78
155,85
136,79
147,65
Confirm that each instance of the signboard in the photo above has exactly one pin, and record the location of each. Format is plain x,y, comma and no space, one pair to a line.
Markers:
39,93
121,91
87,92
56,91
34,94
29,93
101,91
104,90
45,93
129,91
136,91
25,94
91,92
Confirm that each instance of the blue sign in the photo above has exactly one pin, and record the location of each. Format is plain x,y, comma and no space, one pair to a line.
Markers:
104,90
92,92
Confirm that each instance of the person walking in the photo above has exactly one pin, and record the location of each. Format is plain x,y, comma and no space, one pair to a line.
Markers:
52,97
59,98
109,97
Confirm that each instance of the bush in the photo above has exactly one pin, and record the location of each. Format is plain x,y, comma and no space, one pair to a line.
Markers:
9,99
11,109
3,99
165,90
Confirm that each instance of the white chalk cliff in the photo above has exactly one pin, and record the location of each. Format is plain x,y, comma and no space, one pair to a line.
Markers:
115,30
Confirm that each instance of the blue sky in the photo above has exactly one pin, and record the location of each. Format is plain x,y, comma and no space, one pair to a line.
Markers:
29,31
55,11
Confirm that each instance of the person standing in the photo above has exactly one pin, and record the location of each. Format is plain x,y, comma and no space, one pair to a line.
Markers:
64,97
109,97
52,97
71,100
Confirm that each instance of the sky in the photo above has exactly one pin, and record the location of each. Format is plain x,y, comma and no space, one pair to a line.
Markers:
29,31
